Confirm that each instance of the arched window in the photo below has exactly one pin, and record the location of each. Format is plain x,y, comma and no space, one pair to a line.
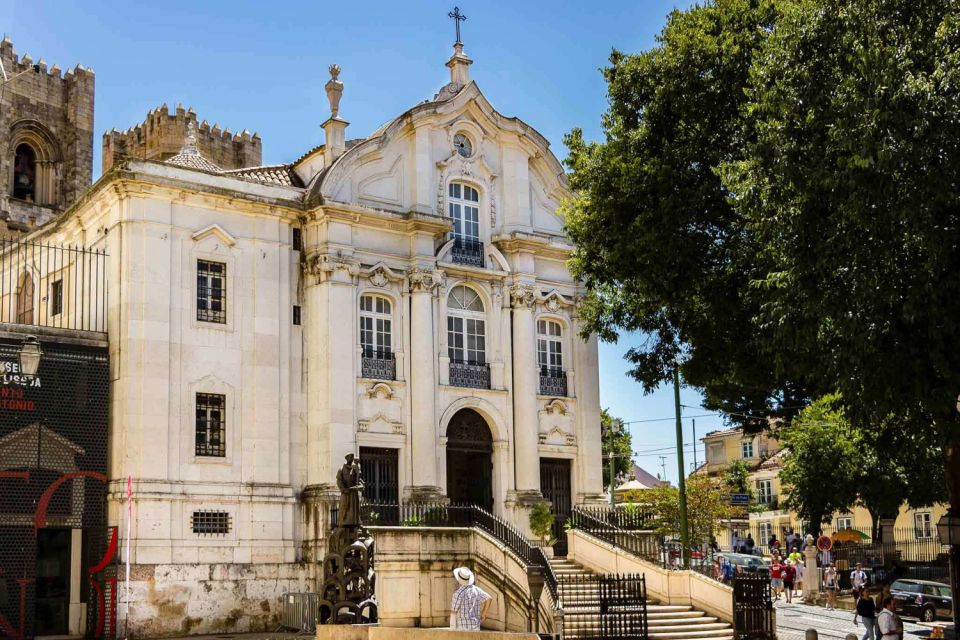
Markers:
466,327
25,300
376,324
550,347
464,208
24,173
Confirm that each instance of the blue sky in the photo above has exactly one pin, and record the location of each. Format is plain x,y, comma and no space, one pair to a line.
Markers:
262,66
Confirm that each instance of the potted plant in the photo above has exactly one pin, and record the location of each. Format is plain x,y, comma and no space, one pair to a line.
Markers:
541,525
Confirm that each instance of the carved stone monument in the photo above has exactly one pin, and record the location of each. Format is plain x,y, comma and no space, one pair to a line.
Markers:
349,580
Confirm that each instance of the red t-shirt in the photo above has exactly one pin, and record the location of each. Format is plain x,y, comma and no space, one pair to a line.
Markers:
776,570
789,572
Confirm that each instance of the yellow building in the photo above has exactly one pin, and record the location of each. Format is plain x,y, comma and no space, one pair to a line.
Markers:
764,457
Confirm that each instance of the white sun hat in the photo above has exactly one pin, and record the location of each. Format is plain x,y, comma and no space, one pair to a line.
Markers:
464,576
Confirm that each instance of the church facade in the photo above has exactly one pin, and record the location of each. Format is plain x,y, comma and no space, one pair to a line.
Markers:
403,297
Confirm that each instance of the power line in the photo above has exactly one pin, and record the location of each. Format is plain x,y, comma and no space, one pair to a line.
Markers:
672,418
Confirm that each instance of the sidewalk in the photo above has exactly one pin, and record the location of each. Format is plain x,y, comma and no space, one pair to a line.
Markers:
795,618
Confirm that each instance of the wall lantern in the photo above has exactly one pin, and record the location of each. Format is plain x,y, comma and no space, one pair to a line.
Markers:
30,354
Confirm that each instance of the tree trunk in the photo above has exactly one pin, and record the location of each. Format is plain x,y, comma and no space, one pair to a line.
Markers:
874,525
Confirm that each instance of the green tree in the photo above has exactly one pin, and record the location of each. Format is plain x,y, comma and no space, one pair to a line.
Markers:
619,446
821,470
736,477
848,183
708,504
658,244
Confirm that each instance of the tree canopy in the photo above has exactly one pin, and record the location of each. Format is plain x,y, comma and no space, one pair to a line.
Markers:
620,446
708,504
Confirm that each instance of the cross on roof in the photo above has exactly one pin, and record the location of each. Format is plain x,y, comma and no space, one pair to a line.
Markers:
457,18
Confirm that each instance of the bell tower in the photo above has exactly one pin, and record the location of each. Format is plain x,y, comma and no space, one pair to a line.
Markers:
46,139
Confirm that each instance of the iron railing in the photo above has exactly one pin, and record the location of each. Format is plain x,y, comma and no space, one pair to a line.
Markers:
48,285
469,252
449,515
378,365
550,577
469,374
646,546
633,518
553,382
299,611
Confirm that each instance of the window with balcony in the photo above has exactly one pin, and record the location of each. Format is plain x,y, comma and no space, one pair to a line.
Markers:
376,338
463,205
466,339
553,379
211,291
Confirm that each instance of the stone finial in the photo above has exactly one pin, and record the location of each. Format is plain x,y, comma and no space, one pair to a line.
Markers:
190,140
459,65
334,89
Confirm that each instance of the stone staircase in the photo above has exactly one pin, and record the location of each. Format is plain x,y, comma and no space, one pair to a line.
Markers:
581,606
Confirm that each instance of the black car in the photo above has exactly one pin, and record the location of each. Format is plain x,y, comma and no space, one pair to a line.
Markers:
924,599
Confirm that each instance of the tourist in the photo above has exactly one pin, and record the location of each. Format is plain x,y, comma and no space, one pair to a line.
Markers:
789,576
866,609
470,603
830,585
858,580
776,577
891,627
749,543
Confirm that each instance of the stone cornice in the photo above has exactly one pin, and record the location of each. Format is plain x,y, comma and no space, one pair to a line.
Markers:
544,246
406,222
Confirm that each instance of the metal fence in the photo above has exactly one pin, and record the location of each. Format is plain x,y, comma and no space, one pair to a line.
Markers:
605,607
48,285
299,611
638,517
753,616
602,524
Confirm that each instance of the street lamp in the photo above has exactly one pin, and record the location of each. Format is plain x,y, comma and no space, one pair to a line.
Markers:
30,354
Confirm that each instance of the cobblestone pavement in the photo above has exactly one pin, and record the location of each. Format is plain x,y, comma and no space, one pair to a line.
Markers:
795,618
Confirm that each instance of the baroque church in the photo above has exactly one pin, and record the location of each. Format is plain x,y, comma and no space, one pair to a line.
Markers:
402,296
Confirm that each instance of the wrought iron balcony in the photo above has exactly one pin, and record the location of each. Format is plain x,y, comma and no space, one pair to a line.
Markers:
469,374
553,382
378,365
467,252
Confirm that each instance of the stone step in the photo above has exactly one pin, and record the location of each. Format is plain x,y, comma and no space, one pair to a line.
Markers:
668,624
689,634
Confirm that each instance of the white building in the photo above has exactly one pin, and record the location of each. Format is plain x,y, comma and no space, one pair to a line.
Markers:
403,296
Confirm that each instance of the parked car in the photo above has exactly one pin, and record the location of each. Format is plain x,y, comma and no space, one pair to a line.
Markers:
746,563
924,599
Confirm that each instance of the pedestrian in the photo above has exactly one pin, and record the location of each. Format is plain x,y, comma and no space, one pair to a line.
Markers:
776,577
867,610
749,544
878,602
858,579
728,571
795,555
470,603
891,626
791,538
772,541
789,576
830,585
717,568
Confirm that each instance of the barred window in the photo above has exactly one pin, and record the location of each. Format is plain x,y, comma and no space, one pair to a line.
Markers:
210,522
211,425
549,347
211,291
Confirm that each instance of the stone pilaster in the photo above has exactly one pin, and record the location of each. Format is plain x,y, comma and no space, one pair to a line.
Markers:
423,381
525,390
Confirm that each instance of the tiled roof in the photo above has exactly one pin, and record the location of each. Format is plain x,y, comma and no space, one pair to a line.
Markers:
644,477
193,161
279,174
775,461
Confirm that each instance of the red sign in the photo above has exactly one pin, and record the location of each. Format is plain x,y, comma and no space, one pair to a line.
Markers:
14,399
824,543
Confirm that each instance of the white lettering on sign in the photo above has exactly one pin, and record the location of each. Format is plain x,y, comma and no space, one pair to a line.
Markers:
10,374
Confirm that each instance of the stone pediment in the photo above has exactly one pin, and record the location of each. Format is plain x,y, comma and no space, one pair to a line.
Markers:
380,423
216,231
557,424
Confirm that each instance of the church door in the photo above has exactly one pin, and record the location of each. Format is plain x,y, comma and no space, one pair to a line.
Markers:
470,460
555,487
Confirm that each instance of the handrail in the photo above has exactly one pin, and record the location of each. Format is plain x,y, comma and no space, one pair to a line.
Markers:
641,546
551,578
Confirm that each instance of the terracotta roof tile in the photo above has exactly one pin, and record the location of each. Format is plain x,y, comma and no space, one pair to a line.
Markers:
278,174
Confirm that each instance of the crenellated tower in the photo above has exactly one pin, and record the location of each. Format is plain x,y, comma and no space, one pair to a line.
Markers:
46,138
160,137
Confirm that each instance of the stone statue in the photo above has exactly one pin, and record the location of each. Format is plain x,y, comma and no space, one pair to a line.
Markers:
351,485
349,580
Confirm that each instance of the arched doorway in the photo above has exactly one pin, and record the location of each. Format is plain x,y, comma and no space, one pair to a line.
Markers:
470,460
